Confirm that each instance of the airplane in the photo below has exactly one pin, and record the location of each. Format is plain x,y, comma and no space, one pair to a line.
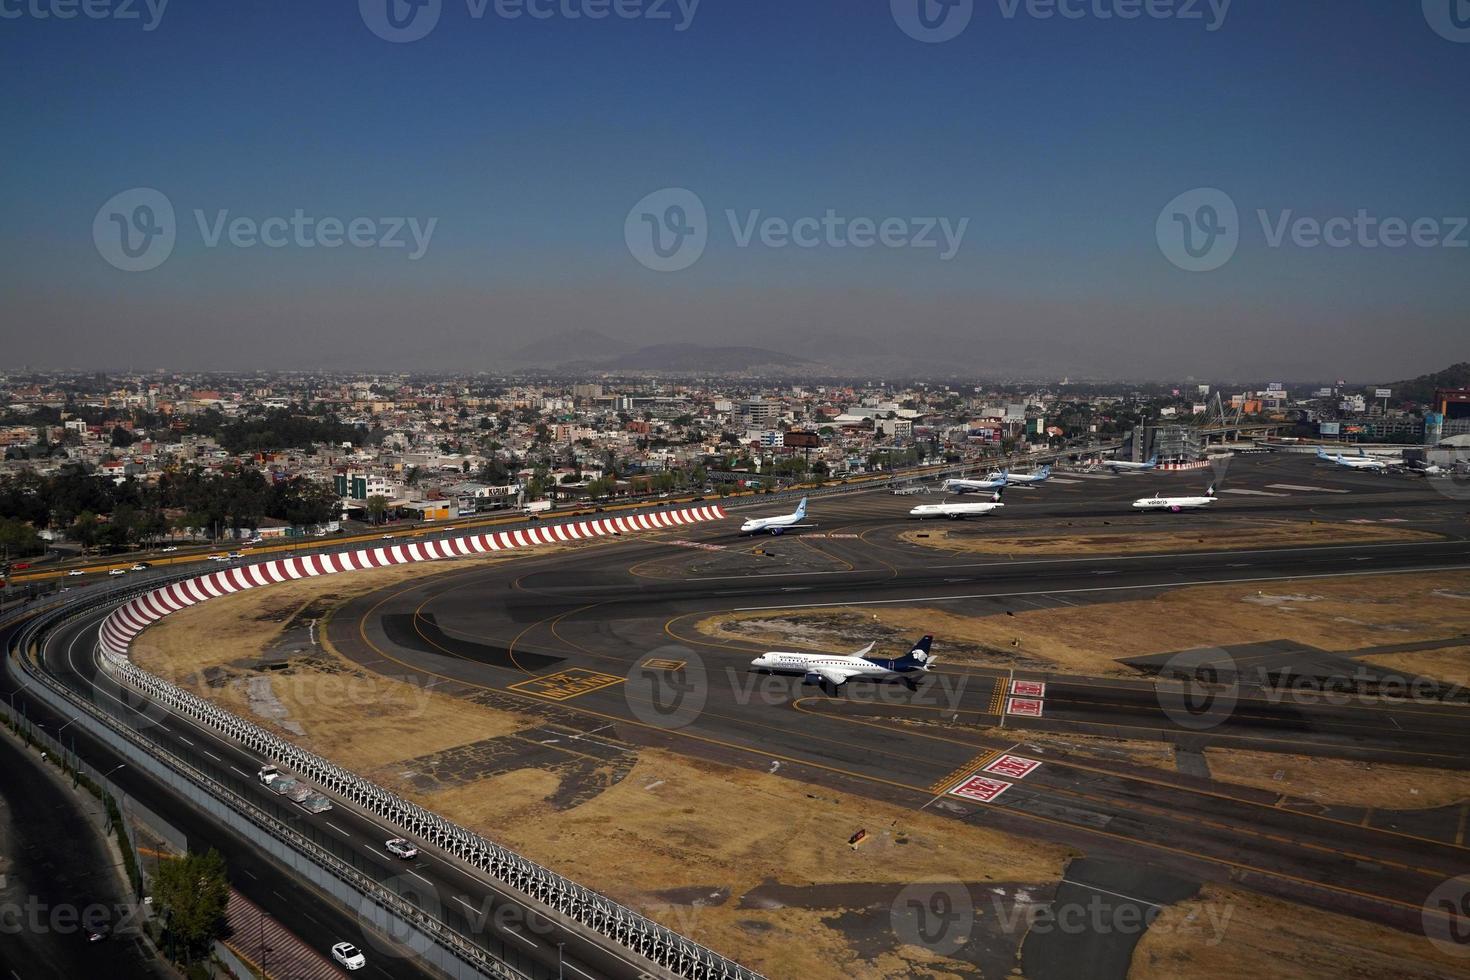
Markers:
1040,476
775,525
831,671
957,511
1428,469
1129,465
961,485
1359,462
1176,504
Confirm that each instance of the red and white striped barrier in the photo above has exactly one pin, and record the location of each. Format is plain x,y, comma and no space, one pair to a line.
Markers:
130,619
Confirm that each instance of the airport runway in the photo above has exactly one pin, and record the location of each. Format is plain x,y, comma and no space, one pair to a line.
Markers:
601,644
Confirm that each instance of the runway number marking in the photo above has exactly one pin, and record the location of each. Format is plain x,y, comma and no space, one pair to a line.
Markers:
1029,689
1012,765
1029,707
566,684
981,789
657,663
700,545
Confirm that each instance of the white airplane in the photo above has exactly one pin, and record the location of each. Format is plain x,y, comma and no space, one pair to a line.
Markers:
1359,462
775,525
1428,469
1040,476
961,485
957,511
1176,504
831,671
1132,467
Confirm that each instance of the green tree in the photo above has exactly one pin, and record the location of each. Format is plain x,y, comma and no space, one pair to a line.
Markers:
191,893
377,507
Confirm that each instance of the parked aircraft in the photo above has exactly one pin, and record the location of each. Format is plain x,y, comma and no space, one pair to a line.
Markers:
1130,466
1040,476
963,485
831,671
1358,462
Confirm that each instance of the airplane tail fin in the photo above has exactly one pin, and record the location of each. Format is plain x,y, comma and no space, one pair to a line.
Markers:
1046,470
920,652
801,509
1321,453
1210,491
1153,460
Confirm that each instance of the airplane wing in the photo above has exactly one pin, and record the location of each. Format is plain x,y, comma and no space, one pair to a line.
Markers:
864,651
832,675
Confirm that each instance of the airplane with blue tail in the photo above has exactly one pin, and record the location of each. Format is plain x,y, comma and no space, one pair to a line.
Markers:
831,671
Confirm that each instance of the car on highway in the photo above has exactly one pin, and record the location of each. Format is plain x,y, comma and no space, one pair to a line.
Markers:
141,566
349,956
118,571
399,847
169,548
232,556
76,571
217,558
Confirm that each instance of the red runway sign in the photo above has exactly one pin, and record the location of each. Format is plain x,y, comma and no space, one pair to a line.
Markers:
1012,765
1030,707
1029,689
981,789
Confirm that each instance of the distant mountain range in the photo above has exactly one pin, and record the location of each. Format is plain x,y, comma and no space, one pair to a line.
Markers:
590,350
1421,389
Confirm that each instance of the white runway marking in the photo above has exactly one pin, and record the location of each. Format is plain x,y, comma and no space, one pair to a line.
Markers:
1256,493
1293,486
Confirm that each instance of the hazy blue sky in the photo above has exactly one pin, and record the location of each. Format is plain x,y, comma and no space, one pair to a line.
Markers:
527,141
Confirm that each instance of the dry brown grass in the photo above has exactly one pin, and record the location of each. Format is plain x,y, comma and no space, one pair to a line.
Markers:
675,822
1333,614
1448,665
1138,540
1340,781
1229,934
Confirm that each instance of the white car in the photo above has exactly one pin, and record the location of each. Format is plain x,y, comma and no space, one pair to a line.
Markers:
349,956
141,566
76,571
216,557
118,571
172,547
234,555
399,847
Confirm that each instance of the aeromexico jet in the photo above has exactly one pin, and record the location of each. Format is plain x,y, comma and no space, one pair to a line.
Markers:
775,525
962,485
834,670
1359,462
1130,466
1040,476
